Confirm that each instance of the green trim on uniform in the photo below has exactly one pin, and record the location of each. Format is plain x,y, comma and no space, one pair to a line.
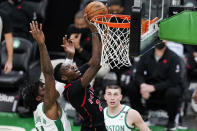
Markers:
59,124
115,115
37,129
126,120
43,108
42,128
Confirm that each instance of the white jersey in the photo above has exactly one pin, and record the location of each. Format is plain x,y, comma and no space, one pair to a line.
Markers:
117,122
43,123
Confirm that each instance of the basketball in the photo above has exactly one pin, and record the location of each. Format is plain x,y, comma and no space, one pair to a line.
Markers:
95,8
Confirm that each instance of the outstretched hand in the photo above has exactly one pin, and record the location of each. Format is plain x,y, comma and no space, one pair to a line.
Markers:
68,46
37,32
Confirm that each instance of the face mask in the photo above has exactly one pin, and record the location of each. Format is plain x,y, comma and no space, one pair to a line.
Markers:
80,30
160,46
83,30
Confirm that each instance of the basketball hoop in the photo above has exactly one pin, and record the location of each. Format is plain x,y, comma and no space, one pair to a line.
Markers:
115,33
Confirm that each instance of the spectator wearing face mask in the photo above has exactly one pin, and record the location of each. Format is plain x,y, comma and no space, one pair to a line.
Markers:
116,7
158,81
81,36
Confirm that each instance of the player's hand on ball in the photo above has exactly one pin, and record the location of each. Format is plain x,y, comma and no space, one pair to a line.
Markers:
90,24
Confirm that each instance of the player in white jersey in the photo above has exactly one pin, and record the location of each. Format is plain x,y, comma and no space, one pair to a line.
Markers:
120,117
42,98
44,123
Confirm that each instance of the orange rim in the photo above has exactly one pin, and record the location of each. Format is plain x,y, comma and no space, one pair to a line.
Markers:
109,24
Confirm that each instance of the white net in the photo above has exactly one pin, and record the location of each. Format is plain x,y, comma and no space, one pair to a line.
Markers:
115,41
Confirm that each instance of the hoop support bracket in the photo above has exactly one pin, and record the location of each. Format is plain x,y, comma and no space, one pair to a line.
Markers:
135,31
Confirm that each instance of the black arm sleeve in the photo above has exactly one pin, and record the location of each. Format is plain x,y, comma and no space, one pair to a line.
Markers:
6,23
140,68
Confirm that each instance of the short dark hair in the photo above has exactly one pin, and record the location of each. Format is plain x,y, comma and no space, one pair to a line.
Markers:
113,87
57,73
116,2
29,94
79,14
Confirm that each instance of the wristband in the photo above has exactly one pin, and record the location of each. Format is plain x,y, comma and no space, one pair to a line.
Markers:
68,61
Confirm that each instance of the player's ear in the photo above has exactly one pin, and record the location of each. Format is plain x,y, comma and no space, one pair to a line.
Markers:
64,78
38,98
121,96
105,96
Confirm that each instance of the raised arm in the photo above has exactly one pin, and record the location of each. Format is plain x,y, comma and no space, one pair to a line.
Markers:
50,92
94,62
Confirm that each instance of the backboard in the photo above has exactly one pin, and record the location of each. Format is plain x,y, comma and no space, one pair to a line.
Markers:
125,36
145,16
